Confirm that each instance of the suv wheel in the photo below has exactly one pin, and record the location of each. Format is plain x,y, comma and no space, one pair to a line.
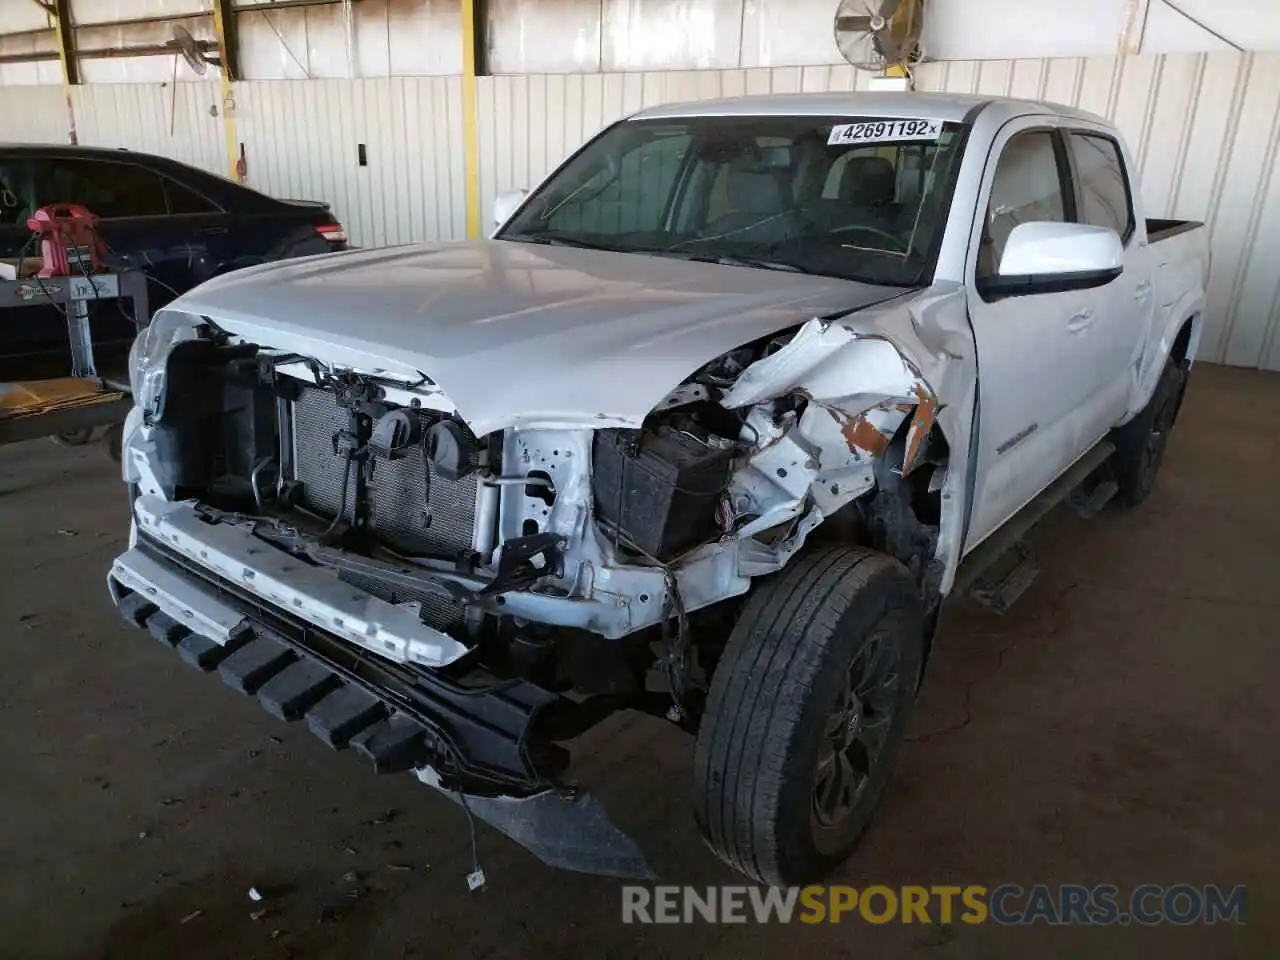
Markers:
806,713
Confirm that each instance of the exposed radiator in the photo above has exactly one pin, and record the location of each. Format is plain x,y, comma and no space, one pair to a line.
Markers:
396,498
398,509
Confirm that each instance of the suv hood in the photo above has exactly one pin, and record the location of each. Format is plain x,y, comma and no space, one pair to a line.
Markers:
517,333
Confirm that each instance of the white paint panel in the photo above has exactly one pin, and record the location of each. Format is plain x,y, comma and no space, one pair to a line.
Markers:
533,36
110,11
30,74
391,38
34,114
280,43
972,29
172,120
302,141
33,71
527,36
16,15
1251,24
670,34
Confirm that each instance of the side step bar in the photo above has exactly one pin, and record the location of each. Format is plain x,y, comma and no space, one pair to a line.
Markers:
1000,587
1007,588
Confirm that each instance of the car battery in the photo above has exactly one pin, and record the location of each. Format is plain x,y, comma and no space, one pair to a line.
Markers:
660,488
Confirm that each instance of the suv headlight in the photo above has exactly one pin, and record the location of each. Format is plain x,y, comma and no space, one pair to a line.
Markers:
150,353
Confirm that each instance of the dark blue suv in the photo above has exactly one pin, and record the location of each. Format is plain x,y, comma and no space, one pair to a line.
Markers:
177,223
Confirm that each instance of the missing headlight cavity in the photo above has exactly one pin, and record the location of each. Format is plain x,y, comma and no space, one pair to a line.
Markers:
213,433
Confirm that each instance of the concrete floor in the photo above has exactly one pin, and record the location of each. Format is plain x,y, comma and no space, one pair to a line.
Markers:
1118,726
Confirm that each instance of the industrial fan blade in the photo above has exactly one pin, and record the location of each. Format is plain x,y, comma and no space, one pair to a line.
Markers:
851,24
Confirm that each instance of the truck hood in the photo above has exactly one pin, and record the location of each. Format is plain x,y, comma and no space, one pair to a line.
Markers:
517,333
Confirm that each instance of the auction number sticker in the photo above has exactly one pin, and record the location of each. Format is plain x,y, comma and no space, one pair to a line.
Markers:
883,131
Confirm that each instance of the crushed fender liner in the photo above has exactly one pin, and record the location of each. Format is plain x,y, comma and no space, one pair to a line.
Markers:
475,744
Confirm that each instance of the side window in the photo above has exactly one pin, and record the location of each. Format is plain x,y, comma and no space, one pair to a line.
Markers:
631,197
184,200
15,194
106,189
1027,188
1104,187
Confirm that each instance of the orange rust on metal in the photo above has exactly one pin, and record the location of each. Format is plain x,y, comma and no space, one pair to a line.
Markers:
860,433
921,423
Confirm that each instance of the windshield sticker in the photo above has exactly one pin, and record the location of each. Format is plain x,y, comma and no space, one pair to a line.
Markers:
883,131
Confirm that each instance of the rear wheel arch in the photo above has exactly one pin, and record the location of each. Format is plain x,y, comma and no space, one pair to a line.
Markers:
1188,337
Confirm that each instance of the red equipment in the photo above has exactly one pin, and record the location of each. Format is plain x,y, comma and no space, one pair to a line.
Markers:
69,242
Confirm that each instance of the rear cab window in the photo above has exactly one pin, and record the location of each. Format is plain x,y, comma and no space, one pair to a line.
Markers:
1102,183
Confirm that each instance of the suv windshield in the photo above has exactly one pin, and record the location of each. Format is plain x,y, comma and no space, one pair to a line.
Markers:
857,198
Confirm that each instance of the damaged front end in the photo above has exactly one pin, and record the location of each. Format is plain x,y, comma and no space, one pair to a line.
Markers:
334,538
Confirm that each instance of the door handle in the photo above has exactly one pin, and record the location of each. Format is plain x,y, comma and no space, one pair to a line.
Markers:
218,231
1081,321
1142,290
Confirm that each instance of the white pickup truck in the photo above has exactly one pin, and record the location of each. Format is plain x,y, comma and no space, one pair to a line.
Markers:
708,428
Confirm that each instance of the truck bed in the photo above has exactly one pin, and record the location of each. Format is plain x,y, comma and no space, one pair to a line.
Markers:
1158,230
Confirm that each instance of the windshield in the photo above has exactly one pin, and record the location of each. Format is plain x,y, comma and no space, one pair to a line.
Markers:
857,198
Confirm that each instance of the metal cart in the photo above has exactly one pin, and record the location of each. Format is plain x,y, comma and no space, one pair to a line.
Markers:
75,406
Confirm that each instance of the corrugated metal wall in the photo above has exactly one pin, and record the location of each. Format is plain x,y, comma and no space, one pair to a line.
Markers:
1204,128
302,140
33,115
174,120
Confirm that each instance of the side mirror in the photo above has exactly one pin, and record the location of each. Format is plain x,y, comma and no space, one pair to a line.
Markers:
1054,258
505,204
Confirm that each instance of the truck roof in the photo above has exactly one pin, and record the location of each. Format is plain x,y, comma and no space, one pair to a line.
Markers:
955,107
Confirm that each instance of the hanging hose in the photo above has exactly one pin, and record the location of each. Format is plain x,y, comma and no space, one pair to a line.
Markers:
342,497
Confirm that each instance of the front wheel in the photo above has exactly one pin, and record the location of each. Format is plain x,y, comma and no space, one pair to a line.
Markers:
806,713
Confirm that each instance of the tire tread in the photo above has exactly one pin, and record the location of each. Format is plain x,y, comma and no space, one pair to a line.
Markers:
762,686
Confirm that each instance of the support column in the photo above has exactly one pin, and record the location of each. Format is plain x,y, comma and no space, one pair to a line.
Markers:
61,10
470,135
224,28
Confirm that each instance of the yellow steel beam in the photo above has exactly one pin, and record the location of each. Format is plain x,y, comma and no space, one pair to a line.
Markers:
61,12
1134,26
224,29
470,136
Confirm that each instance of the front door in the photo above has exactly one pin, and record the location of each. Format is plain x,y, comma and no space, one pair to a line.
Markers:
1033,350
